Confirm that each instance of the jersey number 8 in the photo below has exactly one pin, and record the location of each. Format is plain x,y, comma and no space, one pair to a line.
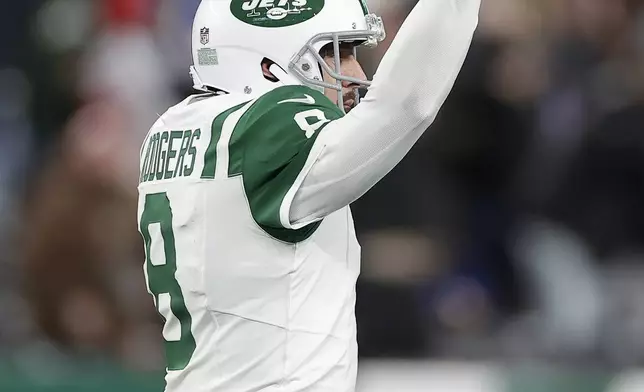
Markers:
162,283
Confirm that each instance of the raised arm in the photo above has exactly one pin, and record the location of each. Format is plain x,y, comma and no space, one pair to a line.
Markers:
353,153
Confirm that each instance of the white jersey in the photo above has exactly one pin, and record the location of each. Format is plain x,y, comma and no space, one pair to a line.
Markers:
249,305
251,254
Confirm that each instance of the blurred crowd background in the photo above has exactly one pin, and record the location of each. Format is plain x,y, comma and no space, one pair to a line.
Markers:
513,232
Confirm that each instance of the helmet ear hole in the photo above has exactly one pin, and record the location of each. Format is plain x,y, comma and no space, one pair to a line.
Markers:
266,70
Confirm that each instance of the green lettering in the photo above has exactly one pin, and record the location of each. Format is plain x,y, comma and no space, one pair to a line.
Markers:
155,158
171,153
162,154
149,176
178,169
146,162
192,152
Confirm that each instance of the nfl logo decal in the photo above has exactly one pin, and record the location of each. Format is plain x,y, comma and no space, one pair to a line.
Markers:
205,35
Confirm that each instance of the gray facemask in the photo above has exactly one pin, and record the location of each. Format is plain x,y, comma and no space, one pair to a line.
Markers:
370,38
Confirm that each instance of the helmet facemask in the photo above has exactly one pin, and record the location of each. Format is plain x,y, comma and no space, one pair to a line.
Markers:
374,34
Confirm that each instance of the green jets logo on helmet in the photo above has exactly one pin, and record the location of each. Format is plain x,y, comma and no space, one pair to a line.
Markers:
275,13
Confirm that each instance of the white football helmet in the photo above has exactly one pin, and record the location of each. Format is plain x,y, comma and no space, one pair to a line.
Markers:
232,38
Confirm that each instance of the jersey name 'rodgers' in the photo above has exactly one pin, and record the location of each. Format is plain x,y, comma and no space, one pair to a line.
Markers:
169,154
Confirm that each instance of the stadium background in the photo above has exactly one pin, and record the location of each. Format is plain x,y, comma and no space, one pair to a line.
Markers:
504,254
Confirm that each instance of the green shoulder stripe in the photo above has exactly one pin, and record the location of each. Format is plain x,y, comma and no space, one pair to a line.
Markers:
210,157
269,148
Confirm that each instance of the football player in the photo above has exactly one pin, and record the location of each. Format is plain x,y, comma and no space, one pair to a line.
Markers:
251,253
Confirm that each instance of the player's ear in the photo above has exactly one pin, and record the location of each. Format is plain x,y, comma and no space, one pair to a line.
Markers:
266,66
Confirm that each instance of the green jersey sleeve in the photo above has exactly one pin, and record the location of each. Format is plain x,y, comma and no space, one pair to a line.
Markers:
279,132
